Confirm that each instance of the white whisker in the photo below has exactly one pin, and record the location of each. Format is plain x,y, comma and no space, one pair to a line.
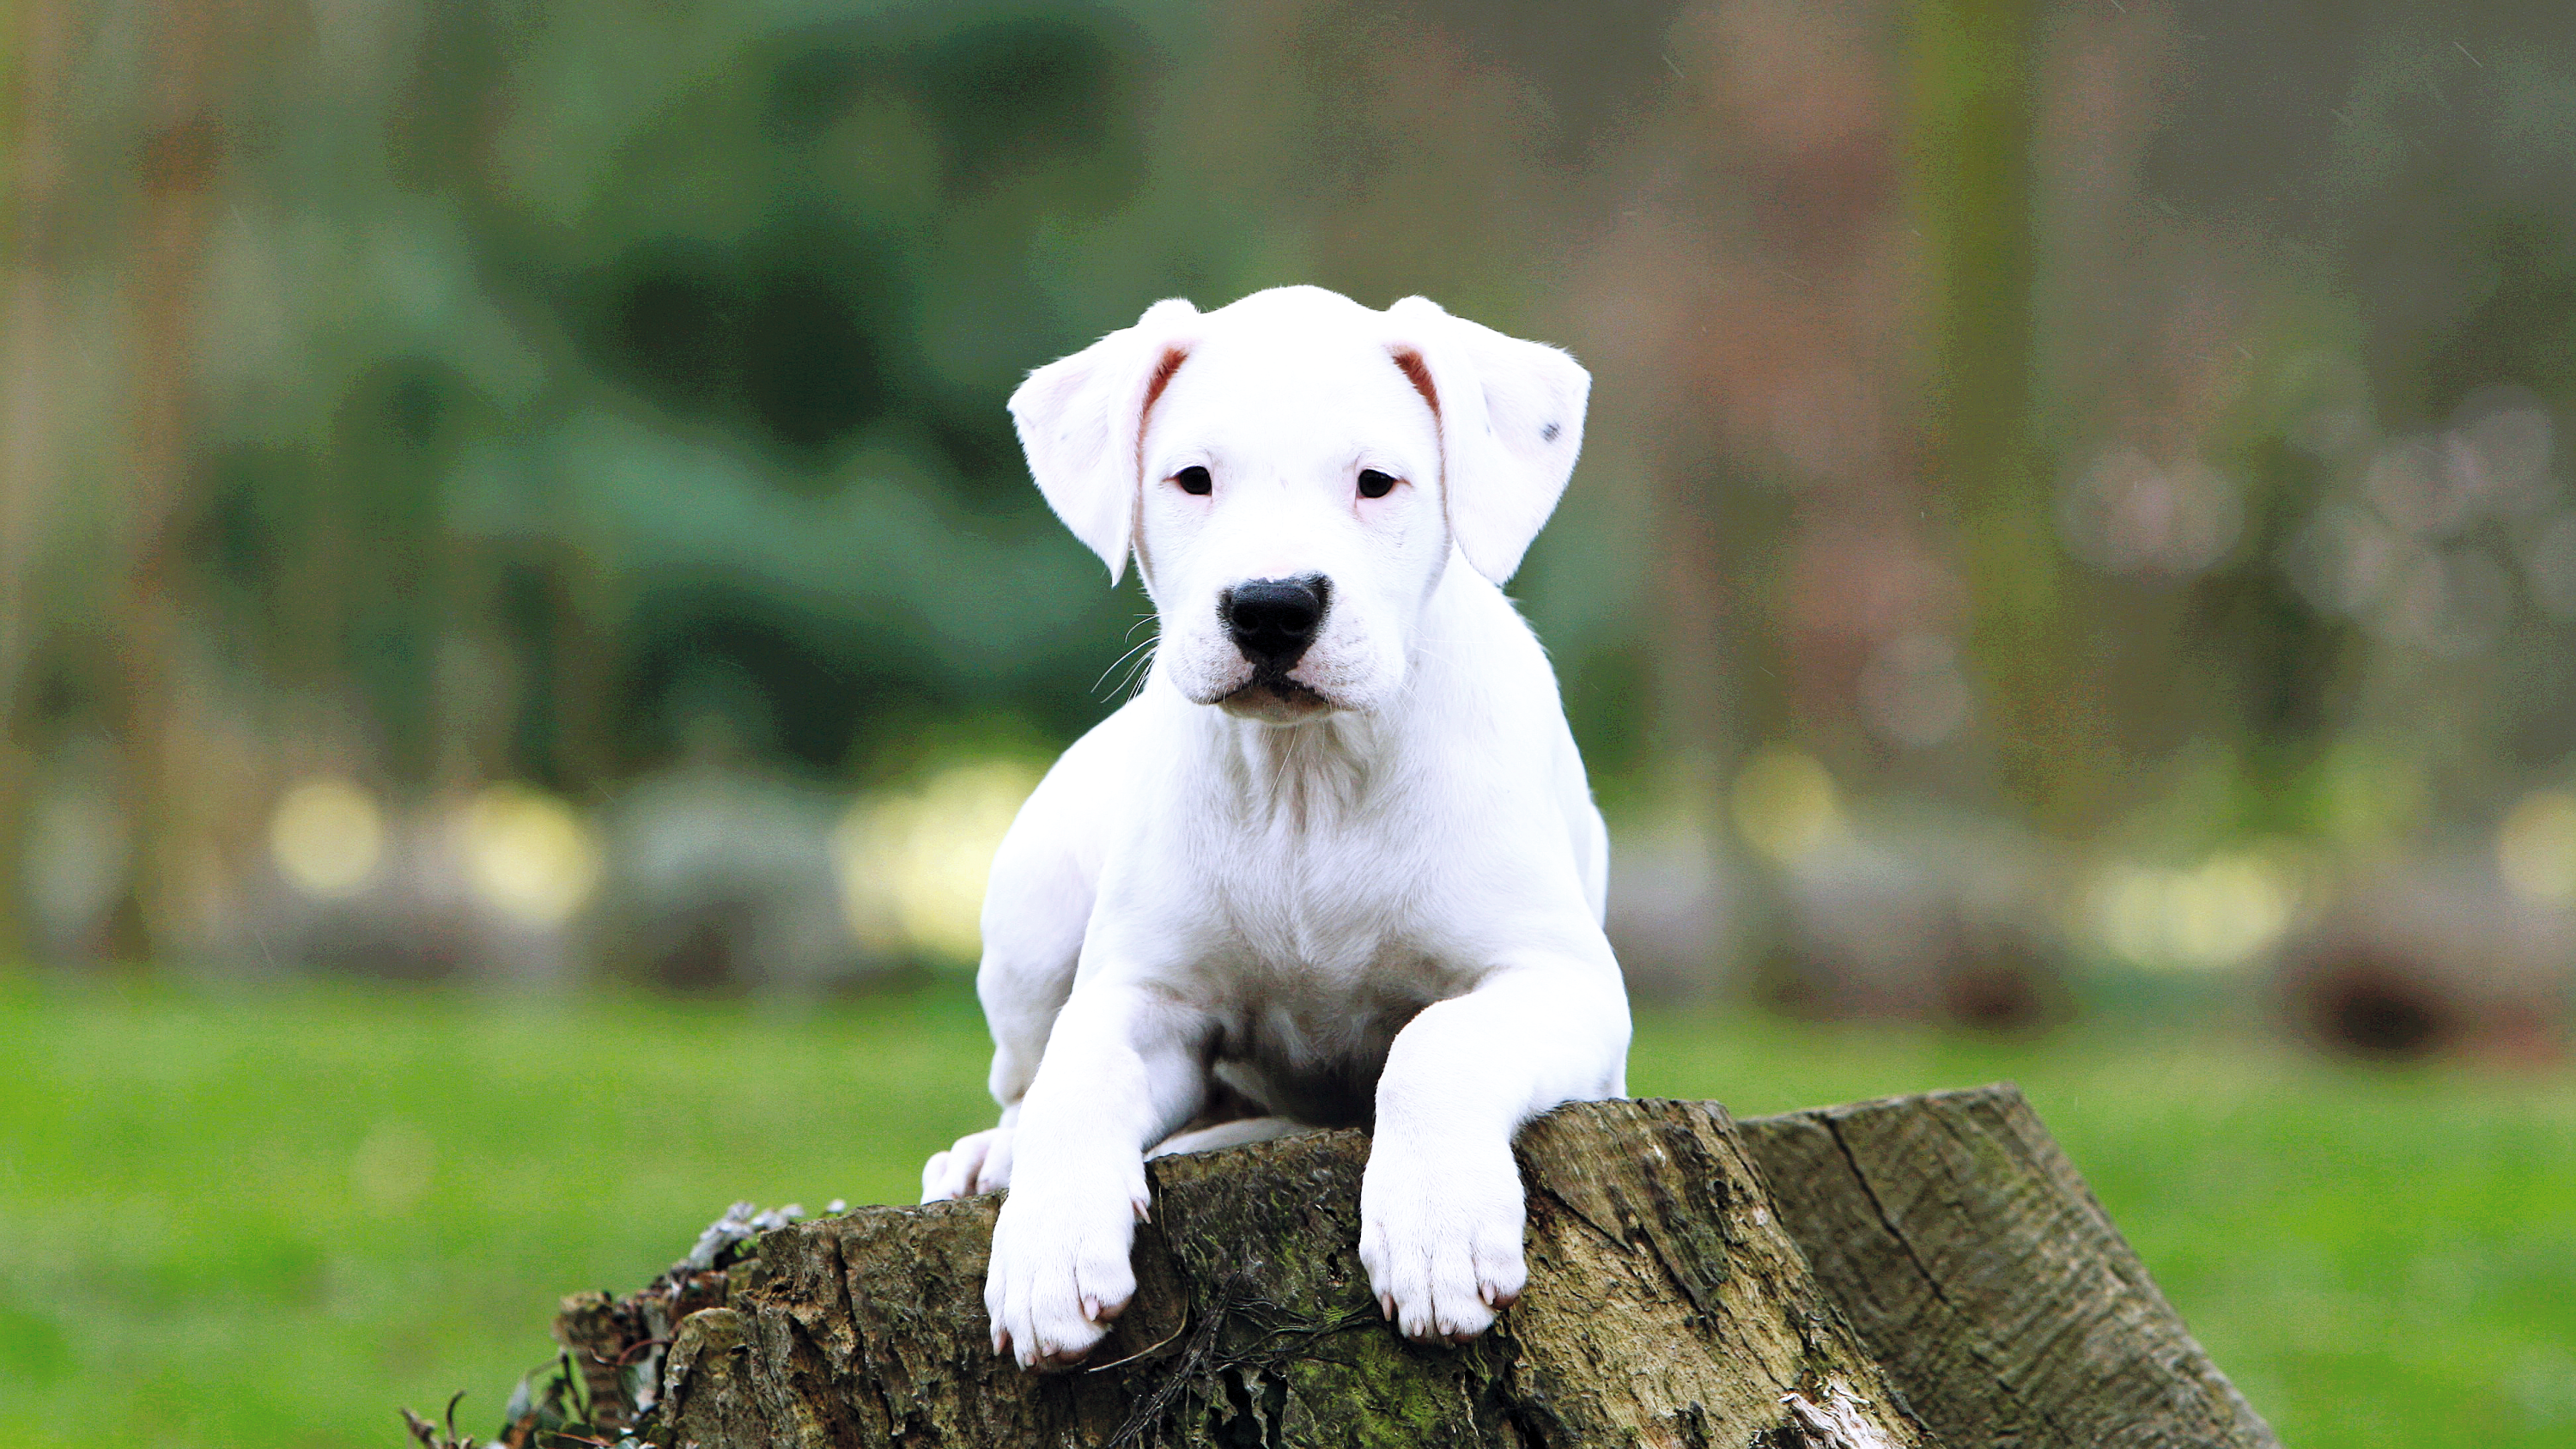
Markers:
1148,645
1137,677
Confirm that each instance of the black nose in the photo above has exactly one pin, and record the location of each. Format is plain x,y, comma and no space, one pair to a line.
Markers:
1273,620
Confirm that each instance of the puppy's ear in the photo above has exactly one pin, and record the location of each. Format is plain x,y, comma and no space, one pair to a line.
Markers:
1082,424
1511,423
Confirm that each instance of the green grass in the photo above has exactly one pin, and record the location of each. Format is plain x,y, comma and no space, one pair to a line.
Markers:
269,1218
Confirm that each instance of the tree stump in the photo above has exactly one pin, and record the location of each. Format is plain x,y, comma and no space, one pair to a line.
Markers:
1916,1272
1976,1266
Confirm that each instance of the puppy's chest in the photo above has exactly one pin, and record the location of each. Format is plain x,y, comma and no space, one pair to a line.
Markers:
1307,908
1316,889
1314,935
1308,1004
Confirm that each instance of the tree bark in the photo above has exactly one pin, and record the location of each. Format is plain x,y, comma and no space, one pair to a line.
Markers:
1977,1267
181,158
34,254
1669,1303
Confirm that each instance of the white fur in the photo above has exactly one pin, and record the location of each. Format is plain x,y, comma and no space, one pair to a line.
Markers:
1376,896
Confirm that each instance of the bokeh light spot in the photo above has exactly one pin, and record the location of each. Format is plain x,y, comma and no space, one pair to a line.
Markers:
2218,915
528,854
912,863
327,837
1785,804
2536,847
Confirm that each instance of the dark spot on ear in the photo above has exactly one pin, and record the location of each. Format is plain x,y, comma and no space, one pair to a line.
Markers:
1548,433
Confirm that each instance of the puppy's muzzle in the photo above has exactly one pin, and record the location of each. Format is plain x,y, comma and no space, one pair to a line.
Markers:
1273,620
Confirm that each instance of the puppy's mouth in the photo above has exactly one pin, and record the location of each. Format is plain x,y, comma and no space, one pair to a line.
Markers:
1271,695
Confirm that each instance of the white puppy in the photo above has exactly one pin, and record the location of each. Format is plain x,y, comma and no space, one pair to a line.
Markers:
1337,863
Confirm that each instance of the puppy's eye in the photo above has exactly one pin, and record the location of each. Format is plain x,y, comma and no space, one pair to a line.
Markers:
1374,484
1194,481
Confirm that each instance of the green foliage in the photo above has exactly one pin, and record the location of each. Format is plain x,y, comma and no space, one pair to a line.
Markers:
644,368
273,1218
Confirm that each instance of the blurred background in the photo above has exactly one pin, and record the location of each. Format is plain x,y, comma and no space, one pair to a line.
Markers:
521,614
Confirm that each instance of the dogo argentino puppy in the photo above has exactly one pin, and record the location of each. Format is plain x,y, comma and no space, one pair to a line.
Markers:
1337,862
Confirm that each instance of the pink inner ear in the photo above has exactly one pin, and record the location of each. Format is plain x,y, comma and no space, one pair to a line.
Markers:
1173,357
1420,372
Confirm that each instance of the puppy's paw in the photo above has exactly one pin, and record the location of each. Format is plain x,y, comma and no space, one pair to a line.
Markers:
980,1162
1060,1273
1440,1234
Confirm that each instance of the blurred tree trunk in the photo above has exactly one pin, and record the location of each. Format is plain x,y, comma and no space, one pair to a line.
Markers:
578,757
1698,708
1973,98
29,460
181,155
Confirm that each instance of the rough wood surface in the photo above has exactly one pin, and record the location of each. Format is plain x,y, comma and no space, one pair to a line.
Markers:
1961,1272
1665,1307
1970,1257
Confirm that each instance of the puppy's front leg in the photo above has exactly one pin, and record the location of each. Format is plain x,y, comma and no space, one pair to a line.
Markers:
1124,1067
1440,1203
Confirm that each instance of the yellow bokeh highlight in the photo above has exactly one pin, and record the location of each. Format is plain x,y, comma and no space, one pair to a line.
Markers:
1785,804
327,837
912,863
2217,915
2536,847
528,855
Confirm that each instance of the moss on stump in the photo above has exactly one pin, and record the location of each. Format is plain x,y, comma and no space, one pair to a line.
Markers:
1965,1291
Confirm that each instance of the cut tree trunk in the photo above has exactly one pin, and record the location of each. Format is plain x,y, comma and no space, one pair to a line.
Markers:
1975,1265
1966,1290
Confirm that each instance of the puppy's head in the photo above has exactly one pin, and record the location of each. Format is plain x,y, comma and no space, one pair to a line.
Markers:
1293,472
